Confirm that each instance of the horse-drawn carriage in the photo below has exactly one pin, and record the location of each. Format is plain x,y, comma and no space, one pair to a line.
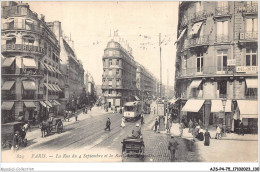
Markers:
133,147
8,132
54,125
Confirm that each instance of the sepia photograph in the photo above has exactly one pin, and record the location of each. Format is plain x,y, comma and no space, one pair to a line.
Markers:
122,81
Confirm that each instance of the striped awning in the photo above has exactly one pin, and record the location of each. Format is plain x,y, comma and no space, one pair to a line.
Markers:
53,88
8,62
43,104
59,88
48,87
48,103
7,85
7,105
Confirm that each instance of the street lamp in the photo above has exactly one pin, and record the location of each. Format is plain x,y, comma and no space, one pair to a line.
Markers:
224,101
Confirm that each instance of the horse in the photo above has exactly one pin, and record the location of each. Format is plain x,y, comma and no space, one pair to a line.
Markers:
44,126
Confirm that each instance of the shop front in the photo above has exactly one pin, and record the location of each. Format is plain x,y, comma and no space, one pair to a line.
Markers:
248,114
29,111
193,109
7,112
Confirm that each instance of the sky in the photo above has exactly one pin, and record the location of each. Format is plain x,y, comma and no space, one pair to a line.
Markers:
92,24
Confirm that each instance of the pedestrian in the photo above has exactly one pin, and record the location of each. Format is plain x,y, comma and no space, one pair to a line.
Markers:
156,124
86,110
153,110
142,118
76,116
123,122
90,107
108,123
27,126
190,126
15,142
172,147
241,127
207,138
181,127
218,132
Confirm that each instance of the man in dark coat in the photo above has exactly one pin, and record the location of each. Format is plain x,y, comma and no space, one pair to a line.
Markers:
15,143
156,124
241,126
172,146
108,123
207,138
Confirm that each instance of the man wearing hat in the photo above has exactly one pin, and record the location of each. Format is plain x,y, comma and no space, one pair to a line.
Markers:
136,132
15,142
173,146
108,123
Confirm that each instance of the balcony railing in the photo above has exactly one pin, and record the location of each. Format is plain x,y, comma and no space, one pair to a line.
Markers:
247,36
28,96
220,11
22,26
22,48
208,70
8,96
200,15
195,42
222,38
32,72
251,97
251,8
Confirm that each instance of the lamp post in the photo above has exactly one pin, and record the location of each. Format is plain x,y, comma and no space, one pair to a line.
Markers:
224,101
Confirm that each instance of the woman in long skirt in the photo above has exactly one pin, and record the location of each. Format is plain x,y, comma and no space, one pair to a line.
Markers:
123,122
207,138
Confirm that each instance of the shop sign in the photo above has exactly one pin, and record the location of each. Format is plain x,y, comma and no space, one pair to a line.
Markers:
247,69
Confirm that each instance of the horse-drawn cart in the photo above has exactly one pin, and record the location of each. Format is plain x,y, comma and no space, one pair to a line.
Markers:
54,125
8,132
133,147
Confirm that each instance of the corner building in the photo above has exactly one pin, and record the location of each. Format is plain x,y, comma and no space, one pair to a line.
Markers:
30,65
217,63
119,75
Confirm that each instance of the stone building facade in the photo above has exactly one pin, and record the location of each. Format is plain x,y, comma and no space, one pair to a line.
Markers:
217,62
30,64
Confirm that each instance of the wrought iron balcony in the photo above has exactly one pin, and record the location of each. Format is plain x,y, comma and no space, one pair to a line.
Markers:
222,11
251,8
200,41
222,38
200,15
21,26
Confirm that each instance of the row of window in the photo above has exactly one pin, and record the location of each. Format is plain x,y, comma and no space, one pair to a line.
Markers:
222,58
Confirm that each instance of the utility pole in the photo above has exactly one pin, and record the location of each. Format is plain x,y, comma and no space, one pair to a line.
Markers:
160,65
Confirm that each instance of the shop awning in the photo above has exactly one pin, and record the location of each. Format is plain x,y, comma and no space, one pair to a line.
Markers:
217,106
251,83
52,68
193,105
29,85
48,67
137,98
48,103
8,62
7,105
29,63
181,35
29,21
43,104
56,88
59,88
56,102
7,85
174,100
9,20
48,87
195,83
29,105
248,108
195,28
53,88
